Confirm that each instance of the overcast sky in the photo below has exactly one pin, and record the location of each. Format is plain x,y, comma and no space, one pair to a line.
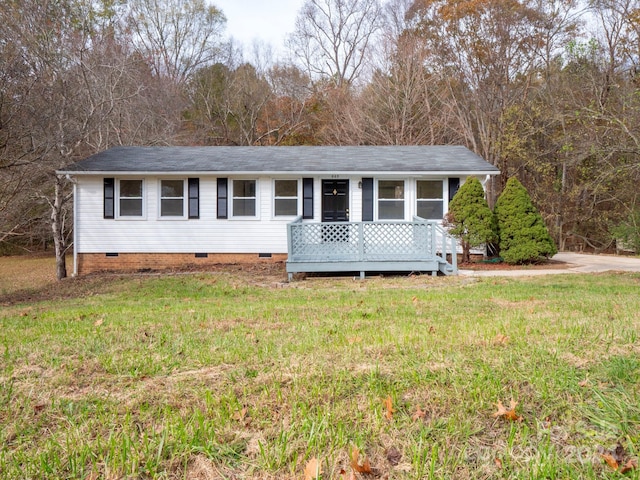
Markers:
266,20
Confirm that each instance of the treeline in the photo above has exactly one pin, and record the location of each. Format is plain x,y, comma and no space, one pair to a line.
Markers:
547,90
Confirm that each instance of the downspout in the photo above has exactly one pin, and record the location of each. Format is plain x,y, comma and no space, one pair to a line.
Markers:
488,186
75,230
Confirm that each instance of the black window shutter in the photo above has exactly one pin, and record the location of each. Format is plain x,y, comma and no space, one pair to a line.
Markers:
223,198
194,198
367,199
454,185
109,197
307,198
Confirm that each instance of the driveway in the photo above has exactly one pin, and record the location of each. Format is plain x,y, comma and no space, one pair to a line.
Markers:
577,263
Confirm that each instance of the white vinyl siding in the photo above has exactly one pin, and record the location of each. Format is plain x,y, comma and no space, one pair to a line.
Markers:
154,234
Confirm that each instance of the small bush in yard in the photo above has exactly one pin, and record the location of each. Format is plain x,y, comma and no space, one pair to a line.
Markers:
470,217
524,238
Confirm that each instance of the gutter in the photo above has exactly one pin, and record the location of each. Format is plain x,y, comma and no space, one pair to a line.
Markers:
281,172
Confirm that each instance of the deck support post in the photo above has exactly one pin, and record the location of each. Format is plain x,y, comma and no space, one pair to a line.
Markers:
362,275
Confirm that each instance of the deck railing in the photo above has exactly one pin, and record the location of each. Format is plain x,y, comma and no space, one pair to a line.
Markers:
371,244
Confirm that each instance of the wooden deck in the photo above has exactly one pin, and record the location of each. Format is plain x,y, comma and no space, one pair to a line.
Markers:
417,246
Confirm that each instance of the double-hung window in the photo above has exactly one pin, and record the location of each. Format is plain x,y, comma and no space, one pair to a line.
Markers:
391,200
430,204
286,198
244,198
172,198
130,198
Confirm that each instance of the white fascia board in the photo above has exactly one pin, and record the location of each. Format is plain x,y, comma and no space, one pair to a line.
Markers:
276,172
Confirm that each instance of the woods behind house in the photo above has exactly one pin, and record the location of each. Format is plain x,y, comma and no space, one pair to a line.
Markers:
545,90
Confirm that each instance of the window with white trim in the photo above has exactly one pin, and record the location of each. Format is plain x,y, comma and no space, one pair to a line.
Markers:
285,198
430,200
244,198
390,199
130,195
172,198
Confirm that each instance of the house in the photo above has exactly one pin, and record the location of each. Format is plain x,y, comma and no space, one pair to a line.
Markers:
138,208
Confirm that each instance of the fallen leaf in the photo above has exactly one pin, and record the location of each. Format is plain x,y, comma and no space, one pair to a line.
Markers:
388,403
583,383
419,413
393,456
242,417
500,339
498,462
617,459
612,462
355,462
508,413
98,322
630,465
351,476
353,340
313,469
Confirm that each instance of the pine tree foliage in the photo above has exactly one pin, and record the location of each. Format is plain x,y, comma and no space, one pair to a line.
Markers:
470,217
524,238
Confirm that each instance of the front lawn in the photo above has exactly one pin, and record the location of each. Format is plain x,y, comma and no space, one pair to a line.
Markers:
222,375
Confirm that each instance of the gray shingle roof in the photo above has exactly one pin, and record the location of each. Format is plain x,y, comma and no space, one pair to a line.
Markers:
299,159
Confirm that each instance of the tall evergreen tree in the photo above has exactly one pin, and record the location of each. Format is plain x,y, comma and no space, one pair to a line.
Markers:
471,218
524,238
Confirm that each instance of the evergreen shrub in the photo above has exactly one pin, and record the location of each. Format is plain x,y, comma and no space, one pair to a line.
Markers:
524,238
470,217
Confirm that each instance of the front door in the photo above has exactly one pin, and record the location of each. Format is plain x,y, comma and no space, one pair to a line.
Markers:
335,200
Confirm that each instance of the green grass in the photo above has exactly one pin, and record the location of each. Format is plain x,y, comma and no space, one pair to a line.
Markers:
220,376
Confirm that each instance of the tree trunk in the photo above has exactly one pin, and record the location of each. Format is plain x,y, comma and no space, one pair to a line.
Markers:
466,252
57,225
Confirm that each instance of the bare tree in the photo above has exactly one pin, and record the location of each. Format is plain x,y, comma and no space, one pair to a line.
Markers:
226,104
74,89
333,38
177,36
403,101
286,116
